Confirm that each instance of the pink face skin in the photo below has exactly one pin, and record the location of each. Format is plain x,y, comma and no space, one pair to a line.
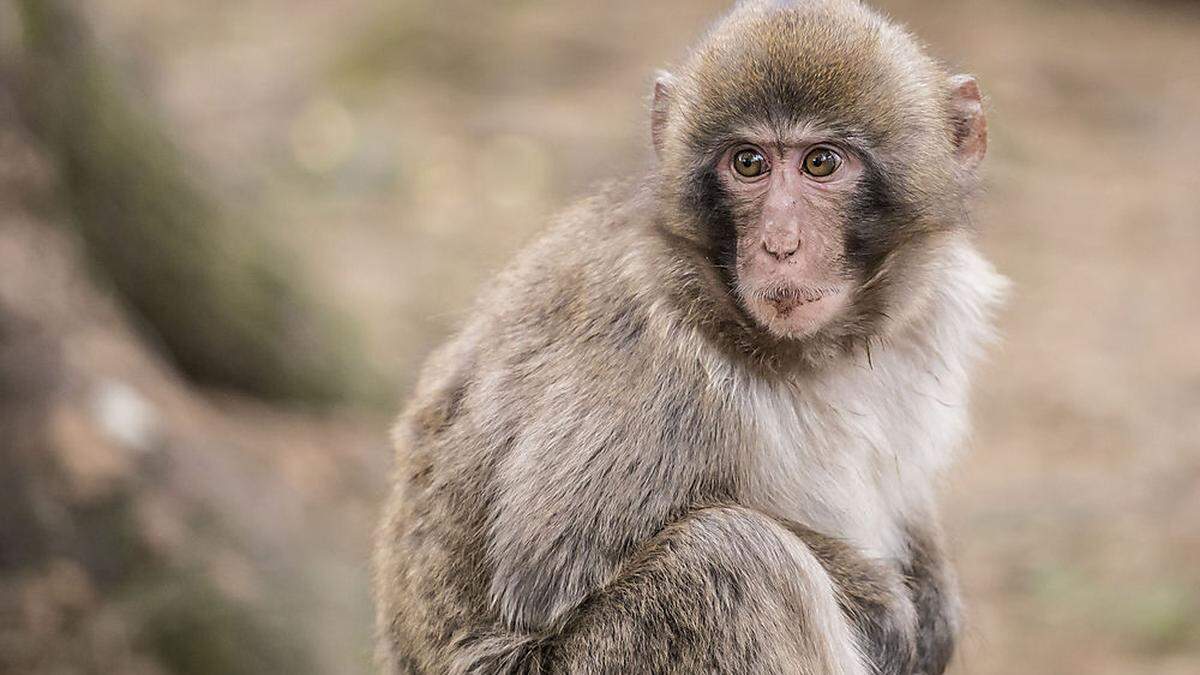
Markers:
792,276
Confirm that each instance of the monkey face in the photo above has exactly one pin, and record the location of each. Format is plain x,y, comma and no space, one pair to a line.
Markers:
791,273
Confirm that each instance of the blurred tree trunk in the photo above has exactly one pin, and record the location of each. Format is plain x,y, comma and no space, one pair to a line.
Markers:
226,305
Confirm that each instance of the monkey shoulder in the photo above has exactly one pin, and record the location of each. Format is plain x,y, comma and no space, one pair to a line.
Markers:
569,289
611,434
567,415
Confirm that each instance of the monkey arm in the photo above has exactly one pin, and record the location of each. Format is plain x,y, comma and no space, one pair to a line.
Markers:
724,589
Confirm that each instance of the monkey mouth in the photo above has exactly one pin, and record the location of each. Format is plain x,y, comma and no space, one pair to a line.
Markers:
795,312
785,299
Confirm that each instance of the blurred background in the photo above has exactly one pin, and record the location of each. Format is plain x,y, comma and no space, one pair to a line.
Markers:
230,232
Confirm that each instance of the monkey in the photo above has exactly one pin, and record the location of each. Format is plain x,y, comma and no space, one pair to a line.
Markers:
698,425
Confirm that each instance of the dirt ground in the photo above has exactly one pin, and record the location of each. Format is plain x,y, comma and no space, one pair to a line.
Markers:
407,149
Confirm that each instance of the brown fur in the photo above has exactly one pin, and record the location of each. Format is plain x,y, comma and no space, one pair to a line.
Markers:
574,474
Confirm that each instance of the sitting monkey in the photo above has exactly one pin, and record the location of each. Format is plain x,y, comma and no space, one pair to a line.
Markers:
695,428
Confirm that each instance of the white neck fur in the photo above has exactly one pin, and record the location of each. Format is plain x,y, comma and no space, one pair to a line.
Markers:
855,450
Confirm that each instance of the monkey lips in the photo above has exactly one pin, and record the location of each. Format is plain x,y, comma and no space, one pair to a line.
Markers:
795,312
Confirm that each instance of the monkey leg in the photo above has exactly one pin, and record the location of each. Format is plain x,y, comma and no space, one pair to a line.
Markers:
935,594
723,590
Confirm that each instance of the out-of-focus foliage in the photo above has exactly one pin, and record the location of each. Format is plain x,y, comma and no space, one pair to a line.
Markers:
146,529
225,302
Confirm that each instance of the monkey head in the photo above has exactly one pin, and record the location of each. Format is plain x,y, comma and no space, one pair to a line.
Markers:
818,159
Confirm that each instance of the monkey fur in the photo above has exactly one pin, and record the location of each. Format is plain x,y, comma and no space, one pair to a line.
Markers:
614,468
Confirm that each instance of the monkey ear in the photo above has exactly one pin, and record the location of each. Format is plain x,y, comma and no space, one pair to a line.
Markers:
970,123
664,91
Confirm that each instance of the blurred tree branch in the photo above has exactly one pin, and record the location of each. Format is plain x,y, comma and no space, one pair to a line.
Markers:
226,304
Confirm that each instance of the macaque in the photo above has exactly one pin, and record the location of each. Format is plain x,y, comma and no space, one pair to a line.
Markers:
697,426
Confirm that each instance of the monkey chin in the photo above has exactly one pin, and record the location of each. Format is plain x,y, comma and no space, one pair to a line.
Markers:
796,313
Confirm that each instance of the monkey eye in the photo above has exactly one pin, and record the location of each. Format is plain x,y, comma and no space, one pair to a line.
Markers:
749,163
822,162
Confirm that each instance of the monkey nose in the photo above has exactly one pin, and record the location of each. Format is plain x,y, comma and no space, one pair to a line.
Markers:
780,248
